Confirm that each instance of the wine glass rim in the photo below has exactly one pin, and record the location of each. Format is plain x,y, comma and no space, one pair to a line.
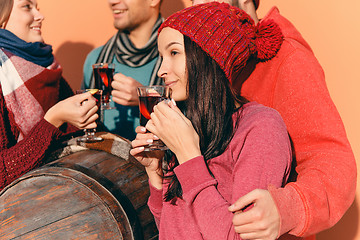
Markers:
153,86
109,65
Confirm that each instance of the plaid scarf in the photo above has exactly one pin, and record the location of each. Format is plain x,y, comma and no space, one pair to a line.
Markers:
36,52
126,53
29,89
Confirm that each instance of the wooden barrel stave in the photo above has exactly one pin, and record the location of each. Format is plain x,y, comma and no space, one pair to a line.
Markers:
130,175
47,192
122,178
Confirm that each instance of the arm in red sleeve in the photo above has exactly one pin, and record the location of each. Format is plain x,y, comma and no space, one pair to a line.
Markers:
155,203
326,183
258,155
19,158
65,91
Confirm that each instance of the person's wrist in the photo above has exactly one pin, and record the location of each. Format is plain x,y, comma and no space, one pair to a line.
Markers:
186,155
155,177
51,117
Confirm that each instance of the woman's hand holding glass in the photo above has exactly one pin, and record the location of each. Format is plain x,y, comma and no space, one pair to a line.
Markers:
151,160
175,130
78,110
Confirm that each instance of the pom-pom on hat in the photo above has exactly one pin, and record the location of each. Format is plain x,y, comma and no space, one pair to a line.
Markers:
227,34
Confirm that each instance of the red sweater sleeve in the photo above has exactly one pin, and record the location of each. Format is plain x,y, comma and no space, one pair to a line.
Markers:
326,182
155,203
65,91
261,155
19,158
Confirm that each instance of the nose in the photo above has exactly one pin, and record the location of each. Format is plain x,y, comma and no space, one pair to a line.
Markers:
38,16
162,70
113,2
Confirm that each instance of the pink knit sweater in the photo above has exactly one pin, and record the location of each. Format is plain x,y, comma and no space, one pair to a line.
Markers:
293,83
258,155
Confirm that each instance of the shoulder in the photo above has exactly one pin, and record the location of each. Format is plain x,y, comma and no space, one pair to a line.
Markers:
293,39
254,113
260,136
93,55
90,60
259,121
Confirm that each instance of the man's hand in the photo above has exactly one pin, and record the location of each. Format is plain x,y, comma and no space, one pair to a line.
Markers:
262,221
124,90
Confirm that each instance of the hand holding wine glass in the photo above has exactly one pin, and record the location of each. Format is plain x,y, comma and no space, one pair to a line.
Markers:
90,133
151,160
125,90
72,111
149,96
103,76
175,130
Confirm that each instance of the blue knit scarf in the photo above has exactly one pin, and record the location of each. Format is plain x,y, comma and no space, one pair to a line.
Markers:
36,52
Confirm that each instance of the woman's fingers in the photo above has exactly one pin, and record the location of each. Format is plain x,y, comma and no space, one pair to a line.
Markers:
88,114
137,150
83,98
140,129
141,142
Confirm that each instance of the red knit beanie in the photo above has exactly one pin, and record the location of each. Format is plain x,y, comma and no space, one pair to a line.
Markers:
227,34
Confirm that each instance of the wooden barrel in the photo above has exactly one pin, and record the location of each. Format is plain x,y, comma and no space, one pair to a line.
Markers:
85,195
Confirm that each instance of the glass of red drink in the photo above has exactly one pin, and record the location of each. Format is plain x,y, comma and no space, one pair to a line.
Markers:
149,96
90,133
103,76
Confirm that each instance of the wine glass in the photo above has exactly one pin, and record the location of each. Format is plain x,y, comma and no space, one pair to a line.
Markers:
103,76
149,96
89,135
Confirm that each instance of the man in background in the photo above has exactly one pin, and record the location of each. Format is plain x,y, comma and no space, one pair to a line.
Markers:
294,84
133,50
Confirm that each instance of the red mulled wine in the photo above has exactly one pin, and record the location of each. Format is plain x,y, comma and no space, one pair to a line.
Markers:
147,106
103,78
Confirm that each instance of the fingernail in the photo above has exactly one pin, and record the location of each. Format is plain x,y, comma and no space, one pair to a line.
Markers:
149,141
156,137
173,101
143,129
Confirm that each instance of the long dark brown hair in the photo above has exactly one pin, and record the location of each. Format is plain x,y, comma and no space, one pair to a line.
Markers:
5,11
210,106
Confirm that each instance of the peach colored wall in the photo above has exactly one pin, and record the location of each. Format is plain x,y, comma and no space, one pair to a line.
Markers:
331,27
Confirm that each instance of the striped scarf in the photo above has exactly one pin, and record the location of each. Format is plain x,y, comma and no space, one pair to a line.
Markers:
29,89
126,53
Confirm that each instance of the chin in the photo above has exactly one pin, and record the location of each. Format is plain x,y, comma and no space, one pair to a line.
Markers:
36,39
178,98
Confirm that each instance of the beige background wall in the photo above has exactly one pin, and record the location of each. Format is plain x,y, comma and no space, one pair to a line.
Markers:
331,27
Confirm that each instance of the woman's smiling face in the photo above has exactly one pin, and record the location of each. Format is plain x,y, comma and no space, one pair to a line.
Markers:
25,21
173,66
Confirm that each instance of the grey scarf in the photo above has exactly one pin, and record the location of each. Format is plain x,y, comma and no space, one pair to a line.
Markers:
126,53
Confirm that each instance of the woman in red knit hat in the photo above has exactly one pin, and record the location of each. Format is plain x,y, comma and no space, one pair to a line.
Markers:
221,145
34,98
